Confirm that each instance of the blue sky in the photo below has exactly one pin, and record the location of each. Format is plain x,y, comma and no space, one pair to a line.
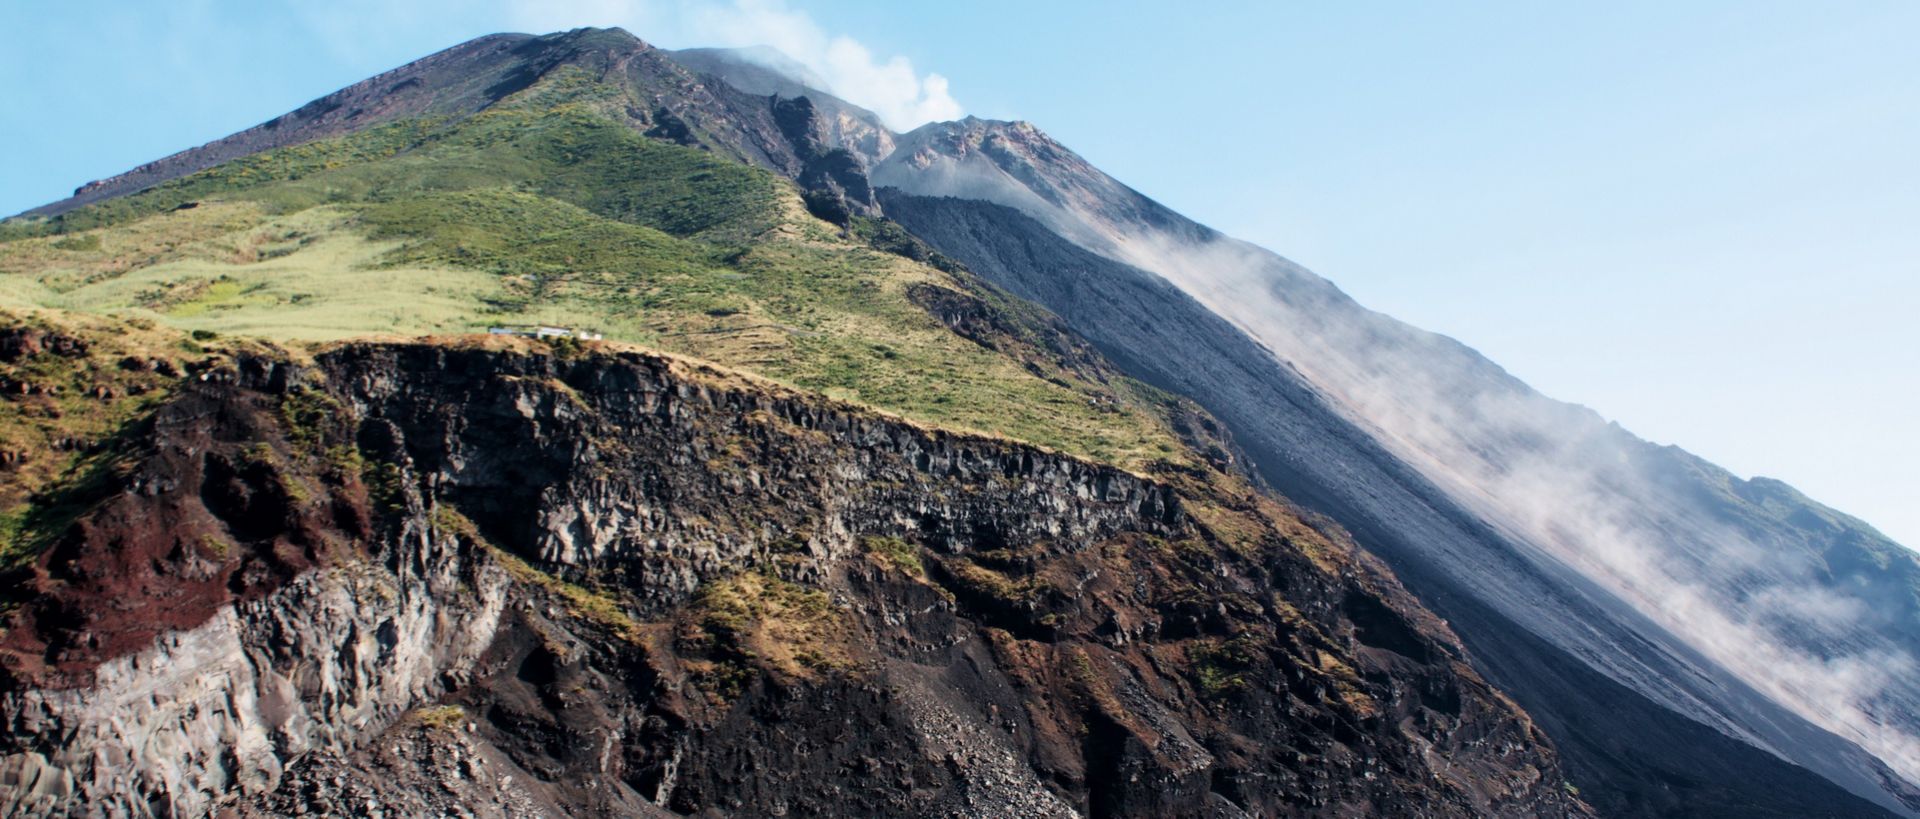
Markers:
1697,218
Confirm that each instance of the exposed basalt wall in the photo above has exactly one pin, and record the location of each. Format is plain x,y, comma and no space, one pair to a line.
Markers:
635,585
619,464
218,710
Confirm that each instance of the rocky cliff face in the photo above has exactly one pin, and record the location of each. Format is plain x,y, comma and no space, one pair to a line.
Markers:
400,578
768,73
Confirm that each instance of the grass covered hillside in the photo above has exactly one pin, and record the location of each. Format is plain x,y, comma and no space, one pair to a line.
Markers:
545,209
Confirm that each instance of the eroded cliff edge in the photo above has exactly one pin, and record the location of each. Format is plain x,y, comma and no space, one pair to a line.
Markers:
525,578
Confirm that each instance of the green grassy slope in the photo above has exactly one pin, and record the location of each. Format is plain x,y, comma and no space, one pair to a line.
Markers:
544,210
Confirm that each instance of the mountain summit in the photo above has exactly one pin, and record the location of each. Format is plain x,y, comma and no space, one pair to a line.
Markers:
631,82
563,426
855,532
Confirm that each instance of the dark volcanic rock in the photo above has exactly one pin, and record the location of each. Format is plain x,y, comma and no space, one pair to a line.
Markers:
515,580
768,73
828,174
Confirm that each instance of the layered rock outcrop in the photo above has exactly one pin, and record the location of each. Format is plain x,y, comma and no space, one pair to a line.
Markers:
516,579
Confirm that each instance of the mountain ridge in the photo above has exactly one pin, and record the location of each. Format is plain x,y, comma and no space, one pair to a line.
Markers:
665,99
1606,757
1414,392
302,124
1303,399
1311,325
394,574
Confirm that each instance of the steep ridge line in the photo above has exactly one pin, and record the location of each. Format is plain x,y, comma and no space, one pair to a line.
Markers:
1761,592
1155,332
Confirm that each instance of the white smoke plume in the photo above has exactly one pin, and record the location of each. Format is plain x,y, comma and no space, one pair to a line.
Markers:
1586,495
1568,483
891,87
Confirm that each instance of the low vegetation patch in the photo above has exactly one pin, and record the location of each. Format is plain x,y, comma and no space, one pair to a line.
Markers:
896,554
75,392
440,717
756,620
1220,666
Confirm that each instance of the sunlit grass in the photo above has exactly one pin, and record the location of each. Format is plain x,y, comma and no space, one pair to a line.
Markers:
556,216
331,286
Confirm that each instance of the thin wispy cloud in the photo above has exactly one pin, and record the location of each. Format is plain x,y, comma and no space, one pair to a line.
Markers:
890,86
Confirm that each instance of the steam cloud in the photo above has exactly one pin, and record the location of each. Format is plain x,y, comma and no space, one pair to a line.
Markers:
1578,489
890,86
1586,494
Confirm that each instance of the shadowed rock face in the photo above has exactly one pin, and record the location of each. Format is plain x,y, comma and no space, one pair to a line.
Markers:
518,579
768,73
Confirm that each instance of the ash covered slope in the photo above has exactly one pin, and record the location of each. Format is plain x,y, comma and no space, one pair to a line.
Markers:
1542,532
514,579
